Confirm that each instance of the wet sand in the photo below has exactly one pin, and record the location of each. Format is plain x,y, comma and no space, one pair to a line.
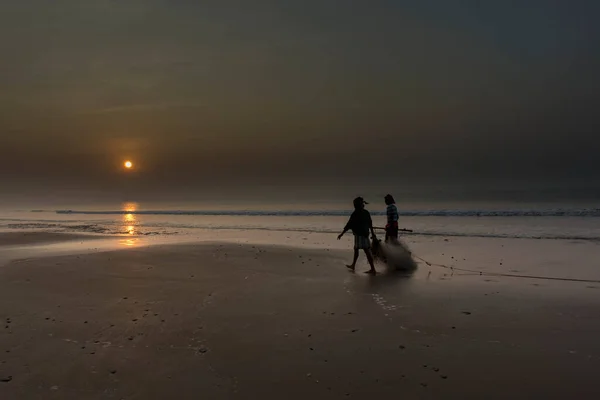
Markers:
33,238
256,321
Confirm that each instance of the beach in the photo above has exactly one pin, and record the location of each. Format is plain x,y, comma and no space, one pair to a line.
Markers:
227,319
185,187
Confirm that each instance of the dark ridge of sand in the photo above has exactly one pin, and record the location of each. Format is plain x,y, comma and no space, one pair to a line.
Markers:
225,321
32,238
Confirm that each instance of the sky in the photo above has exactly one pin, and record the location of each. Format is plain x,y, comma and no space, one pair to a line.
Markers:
206,95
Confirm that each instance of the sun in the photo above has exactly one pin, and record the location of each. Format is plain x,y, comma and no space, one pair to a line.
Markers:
128,164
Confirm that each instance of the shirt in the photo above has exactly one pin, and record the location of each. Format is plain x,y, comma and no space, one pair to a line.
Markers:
392,213
360,223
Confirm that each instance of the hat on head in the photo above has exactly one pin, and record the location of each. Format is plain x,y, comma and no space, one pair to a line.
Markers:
359,201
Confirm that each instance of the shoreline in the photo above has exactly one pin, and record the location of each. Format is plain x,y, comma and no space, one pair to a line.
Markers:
28,238
533,259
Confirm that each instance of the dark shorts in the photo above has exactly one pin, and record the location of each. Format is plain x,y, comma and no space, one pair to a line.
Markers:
362,242
391,231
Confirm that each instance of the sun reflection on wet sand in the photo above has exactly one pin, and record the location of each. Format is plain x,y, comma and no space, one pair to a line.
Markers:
130,221
128,242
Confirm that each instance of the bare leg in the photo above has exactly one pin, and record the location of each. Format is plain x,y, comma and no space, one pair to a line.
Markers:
353,265
370,259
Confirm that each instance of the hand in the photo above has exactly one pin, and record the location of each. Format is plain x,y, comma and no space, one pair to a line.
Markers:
340,236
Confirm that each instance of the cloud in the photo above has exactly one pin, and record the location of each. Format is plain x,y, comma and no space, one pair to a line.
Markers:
145,108
278,89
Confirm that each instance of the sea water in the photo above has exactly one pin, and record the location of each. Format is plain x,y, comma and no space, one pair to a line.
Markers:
555,221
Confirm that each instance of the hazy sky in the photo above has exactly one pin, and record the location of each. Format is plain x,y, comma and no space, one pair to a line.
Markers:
197,92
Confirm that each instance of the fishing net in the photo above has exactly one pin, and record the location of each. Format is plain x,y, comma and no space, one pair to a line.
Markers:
394,254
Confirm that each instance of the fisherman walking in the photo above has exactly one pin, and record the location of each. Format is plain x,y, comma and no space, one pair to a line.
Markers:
360,223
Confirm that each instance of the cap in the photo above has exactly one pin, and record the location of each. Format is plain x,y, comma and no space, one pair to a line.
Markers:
359,200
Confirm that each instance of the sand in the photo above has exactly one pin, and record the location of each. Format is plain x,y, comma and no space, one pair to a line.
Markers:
246,321
34,238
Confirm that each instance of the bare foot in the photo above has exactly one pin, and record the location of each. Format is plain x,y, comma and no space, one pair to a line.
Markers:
371,271
350,267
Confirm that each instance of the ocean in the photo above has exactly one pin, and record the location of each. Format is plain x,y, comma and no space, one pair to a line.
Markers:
493,220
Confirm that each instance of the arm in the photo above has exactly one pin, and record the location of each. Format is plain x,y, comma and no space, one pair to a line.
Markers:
346,228
371,227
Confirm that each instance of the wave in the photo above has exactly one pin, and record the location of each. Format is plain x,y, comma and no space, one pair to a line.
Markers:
174,229
103,229
555,212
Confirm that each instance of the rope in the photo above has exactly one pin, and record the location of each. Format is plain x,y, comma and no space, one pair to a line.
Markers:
482,273
496,274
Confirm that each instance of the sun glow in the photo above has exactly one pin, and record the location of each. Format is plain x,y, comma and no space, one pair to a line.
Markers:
128,164
130,223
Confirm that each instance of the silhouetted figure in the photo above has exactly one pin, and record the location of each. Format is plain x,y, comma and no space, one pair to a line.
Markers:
360,223
391,228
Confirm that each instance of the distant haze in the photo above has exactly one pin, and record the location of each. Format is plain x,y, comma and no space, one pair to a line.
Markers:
226,98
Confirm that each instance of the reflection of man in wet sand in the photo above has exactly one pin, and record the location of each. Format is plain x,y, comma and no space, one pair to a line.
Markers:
360,223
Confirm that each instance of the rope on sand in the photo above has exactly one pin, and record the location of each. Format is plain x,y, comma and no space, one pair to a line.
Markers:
497,274
483,273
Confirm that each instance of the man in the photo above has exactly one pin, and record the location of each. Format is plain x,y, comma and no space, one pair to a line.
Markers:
391,229
360,223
